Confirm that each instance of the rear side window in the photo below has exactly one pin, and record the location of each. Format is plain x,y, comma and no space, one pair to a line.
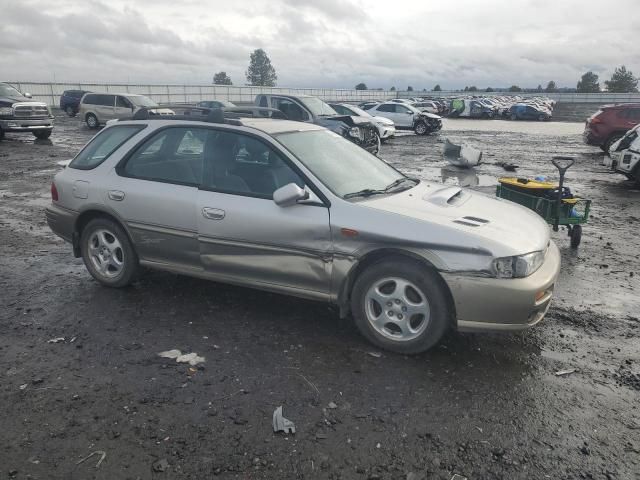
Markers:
103,145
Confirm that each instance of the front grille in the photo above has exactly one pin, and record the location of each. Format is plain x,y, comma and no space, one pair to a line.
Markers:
368,135
31,111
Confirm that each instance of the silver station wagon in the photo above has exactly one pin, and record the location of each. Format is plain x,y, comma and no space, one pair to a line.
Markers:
294,208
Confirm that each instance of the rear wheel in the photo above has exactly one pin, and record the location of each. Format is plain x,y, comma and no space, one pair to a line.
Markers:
420,128
70,111
400,306
92,121
1,134
513,116
541,118
43,135
576,236
108,253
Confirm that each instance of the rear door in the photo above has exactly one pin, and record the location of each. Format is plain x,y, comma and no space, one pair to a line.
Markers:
155,191
244,236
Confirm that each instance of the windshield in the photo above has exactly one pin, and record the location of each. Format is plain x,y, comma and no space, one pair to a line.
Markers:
141,101
342,166
317,106
8,91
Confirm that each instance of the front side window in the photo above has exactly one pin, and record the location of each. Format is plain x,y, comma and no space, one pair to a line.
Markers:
317,106
402,109
291,109
340,164
243,165
8,91
103,145
387,107
122,102
172,155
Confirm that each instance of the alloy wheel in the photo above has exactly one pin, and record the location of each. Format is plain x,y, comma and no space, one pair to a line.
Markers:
397,309
106,253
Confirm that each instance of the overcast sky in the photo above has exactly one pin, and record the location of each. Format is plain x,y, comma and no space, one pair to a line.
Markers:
320,43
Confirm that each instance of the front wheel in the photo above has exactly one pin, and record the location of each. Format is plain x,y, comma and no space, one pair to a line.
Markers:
43,135
108,253
541,118
611,140
400,306
420,128
92,121
1,134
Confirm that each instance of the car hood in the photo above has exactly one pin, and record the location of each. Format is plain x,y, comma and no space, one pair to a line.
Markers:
430,115
500,226
384,121
8,101
351,120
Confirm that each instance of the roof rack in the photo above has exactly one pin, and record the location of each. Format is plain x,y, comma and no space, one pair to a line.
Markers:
229,115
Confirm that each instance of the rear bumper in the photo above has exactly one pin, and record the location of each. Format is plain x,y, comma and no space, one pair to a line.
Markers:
26,124
61,221
496,304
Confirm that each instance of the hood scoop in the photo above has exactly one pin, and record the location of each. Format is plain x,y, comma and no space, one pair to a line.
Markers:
471,221
447,196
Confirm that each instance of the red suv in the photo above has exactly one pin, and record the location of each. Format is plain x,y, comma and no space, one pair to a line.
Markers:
610,123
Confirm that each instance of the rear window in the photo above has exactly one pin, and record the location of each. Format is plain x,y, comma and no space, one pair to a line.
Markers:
103,145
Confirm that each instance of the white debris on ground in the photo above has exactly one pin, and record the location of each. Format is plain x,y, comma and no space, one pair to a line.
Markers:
192,359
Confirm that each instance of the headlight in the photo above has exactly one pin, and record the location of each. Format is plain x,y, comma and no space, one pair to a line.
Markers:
519,266
7,111
355,132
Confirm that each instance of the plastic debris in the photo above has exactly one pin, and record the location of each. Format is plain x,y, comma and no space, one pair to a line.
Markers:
569,371
461,155
102,454
458,477
281,424
192,359
332,406
375,354
56,340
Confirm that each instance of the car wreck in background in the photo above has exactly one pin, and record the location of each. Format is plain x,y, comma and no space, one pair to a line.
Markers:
386,127
624,155
306,108
407,117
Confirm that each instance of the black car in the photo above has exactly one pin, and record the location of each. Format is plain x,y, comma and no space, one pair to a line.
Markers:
306,108
19,113
70,101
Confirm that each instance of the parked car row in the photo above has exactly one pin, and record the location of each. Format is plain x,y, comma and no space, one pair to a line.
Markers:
511,107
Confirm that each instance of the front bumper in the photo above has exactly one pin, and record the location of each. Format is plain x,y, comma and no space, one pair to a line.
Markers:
504,304
61,221
26,124
386,132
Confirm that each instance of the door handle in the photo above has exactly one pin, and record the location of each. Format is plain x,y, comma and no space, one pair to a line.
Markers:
213,213
116,195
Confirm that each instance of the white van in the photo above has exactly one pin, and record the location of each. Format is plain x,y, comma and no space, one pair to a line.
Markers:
98,108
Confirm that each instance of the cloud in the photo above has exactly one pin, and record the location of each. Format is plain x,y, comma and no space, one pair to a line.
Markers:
329,43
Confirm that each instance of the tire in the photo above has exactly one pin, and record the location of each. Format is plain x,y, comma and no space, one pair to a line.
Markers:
377,293
610,141
92,121
420,128
379,142
70,111
513,116
42,135
576,236
541,118
117,266
1,134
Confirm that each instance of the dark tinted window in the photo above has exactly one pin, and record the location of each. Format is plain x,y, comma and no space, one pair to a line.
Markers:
291,109
122,102
243,165
387,107
106,100
91,99
103,145
633,114
172,155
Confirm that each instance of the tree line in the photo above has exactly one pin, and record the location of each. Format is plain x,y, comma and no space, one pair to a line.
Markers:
262,73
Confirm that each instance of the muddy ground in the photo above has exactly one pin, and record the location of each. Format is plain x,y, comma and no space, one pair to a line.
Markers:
481,406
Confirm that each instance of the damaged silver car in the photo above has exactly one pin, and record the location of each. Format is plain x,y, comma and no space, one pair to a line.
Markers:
295,208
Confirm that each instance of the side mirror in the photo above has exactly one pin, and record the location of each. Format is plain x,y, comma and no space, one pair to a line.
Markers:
289,195
27,94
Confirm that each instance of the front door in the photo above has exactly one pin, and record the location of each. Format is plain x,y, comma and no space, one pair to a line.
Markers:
404,116
124,107
155,193
244,236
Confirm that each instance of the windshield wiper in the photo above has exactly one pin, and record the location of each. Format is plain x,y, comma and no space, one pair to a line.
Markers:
367,192
400,181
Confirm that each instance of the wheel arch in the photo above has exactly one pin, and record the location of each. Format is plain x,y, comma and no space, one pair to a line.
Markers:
375,256
90,214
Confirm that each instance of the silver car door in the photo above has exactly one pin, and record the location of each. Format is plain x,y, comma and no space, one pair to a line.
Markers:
404,116
244,236
154,191
124,107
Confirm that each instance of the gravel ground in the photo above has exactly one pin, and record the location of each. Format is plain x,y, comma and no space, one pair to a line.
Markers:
481,406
